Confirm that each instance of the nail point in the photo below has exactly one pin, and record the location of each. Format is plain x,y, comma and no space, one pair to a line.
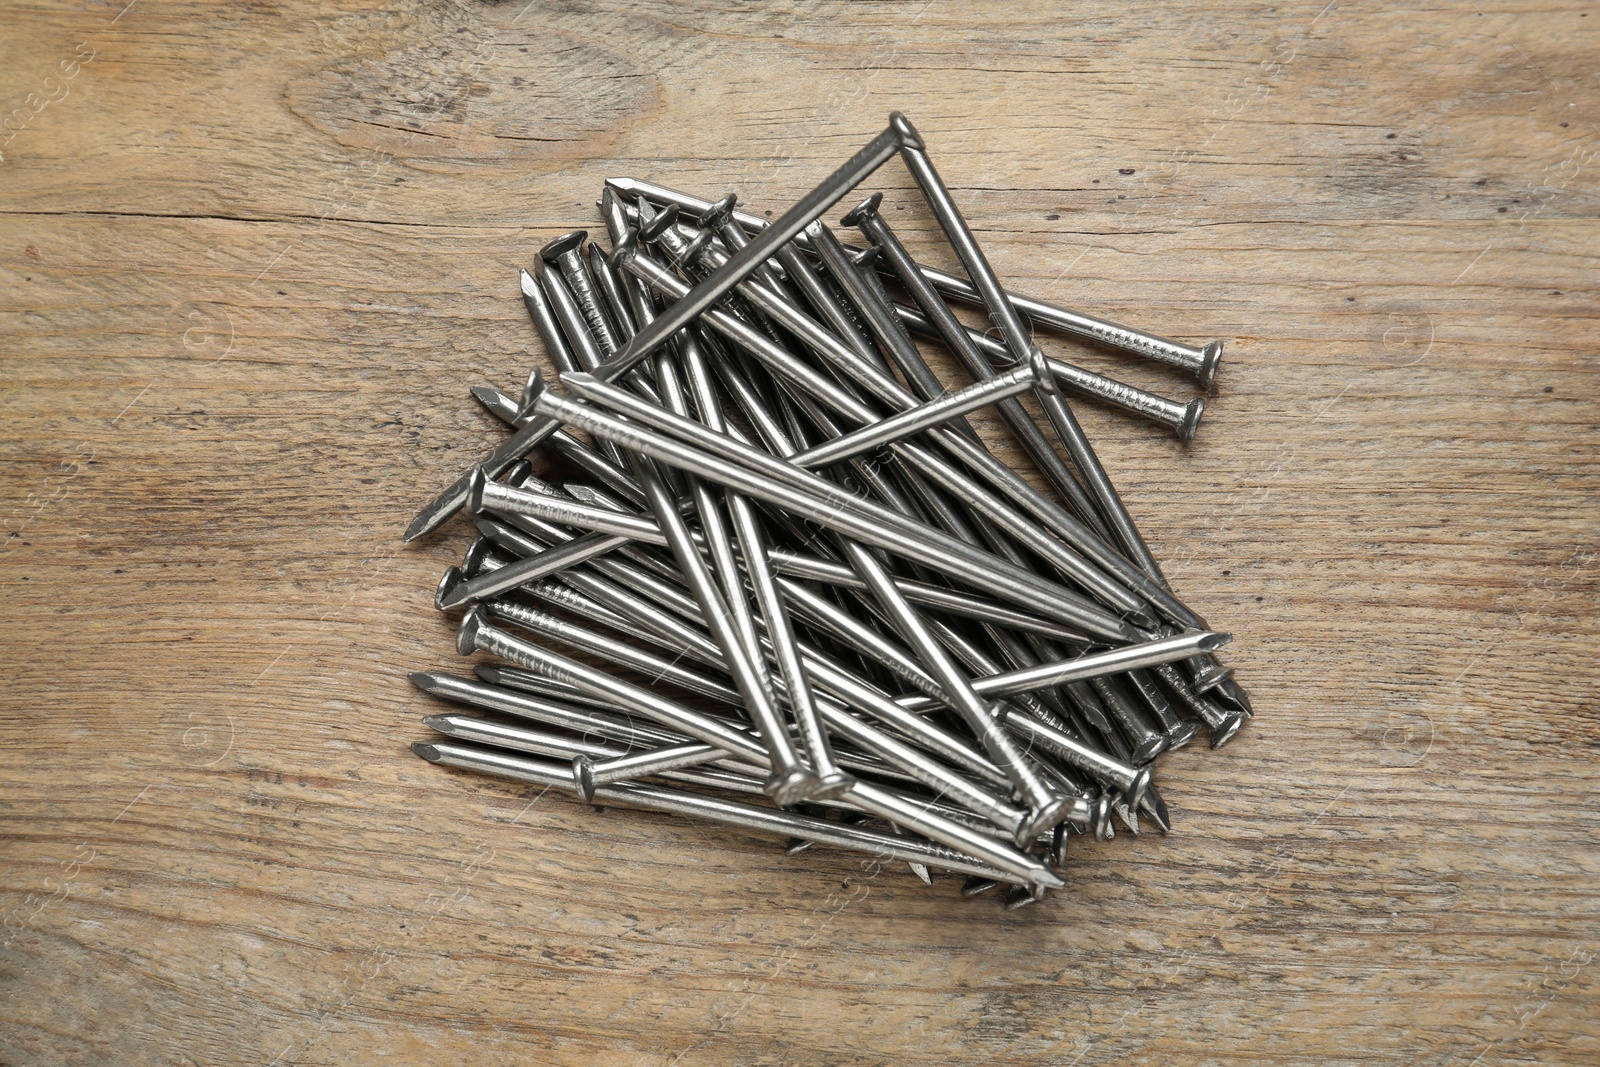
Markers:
448,582
976,884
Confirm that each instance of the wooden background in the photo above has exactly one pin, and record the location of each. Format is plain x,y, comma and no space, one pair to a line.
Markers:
255,254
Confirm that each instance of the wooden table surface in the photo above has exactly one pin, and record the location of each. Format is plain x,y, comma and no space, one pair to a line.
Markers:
255,255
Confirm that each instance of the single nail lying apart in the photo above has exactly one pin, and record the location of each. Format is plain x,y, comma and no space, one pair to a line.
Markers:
770,575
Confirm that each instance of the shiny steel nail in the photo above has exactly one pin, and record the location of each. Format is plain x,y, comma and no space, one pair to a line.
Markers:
656,668
1201,362
1113,661
544,321
1144,740
502,677
791,779
933,413
485,495
765,820
1119,774
550,707
916,816
1179,731
949,601
879,319
589,773
953,787
565,254
768,597
610,285
476,635
531,568
725,612
581,753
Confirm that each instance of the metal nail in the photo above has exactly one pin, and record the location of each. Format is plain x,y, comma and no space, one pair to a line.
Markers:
768,597
1179,731
724,775
914,420
940,598
552,707
1095,664
476,635
543,316
485,495
1144,740
660,798
879,319
1201,362
611,286
589,773
656,668
565,254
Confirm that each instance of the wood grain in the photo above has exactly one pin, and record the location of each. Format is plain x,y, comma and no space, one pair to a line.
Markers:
253,258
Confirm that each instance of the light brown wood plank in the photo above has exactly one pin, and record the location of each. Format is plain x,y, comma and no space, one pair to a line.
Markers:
251,259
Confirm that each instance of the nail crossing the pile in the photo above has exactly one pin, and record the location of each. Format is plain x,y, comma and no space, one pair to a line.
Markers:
771,576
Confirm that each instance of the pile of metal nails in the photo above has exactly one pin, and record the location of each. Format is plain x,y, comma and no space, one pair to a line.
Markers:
782,584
